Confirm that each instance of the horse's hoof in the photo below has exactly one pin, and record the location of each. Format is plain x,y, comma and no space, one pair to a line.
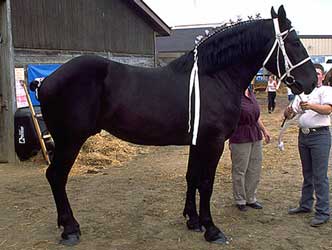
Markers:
71,239
217,237
194,226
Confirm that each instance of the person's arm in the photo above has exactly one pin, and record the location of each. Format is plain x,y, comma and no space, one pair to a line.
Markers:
323,109
275,83
266,133
267,86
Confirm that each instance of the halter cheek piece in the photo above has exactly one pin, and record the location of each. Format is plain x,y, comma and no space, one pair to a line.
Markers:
279,43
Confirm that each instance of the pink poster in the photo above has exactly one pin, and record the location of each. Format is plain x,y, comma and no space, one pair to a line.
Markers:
21,99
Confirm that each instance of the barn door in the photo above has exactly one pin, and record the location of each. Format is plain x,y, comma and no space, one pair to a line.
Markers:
7,90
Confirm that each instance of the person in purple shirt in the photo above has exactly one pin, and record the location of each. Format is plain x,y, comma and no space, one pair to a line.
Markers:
246,153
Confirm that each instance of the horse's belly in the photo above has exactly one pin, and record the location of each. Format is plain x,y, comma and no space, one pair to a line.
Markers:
152,139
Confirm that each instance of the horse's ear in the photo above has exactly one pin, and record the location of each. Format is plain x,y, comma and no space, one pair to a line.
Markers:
281,13
282,18
273,13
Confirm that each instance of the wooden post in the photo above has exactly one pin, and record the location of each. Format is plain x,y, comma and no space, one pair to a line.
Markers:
7,86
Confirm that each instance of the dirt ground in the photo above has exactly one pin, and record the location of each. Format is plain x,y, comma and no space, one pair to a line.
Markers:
134,201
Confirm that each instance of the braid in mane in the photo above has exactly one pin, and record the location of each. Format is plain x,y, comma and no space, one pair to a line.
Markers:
225,45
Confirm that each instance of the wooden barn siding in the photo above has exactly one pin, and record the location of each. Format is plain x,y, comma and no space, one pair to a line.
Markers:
80,25
321,46
25,57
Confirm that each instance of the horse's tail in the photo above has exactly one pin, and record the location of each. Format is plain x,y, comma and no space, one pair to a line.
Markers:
36,83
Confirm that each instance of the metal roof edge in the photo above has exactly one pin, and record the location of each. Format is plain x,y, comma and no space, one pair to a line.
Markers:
160,26
315,36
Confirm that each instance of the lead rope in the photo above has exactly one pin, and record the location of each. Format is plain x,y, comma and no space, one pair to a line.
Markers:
194,84
284,125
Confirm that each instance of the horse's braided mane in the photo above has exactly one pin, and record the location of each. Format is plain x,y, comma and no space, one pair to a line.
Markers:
226,25
217,48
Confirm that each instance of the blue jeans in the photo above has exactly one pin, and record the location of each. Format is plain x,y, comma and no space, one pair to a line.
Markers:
314,151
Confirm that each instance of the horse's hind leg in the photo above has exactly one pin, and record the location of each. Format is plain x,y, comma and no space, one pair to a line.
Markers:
190,206
65,154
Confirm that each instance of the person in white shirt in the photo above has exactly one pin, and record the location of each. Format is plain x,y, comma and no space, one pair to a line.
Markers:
314,142
271,90
290,95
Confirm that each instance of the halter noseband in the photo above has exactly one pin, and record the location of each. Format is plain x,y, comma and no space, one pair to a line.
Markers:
280,37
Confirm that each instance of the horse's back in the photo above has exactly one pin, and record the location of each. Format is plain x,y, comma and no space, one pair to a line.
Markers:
75,71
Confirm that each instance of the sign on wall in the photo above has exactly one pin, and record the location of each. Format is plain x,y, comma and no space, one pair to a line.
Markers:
21,99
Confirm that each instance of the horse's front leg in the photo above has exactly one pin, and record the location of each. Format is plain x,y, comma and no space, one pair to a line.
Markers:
207,156
190,206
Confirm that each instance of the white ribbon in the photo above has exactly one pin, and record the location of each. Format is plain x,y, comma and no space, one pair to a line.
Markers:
194,84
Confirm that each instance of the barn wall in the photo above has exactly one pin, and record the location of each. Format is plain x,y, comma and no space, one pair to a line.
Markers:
48,31
165,58
25,57
80,25
318,46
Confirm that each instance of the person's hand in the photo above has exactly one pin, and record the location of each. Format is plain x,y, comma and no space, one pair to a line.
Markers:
288,113
267,137
305,106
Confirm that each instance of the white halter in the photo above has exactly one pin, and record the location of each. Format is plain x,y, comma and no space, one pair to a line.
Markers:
288,64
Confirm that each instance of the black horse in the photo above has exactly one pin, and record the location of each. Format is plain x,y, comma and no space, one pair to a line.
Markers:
150,106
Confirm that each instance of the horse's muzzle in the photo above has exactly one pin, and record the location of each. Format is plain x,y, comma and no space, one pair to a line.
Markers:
296,87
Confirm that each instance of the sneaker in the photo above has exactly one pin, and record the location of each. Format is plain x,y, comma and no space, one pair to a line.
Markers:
298,210
255,205
316,222
242,207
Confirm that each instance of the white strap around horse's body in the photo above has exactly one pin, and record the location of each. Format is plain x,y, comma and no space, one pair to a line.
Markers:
194,84
280,41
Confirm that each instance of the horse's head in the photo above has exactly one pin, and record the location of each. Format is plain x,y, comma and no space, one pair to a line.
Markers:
288,59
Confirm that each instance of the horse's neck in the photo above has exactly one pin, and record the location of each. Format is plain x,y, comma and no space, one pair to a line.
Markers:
236,54
242,74
247,63
245,44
